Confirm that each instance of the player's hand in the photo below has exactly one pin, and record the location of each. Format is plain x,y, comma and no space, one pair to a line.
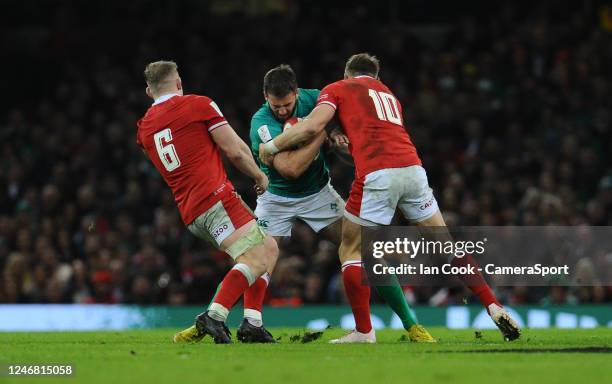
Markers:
338,139
261,184
264,156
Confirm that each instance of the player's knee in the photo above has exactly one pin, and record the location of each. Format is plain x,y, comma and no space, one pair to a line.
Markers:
265,255
271,250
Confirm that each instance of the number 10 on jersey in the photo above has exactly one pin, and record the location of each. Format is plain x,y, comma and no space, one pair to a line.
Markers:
386,107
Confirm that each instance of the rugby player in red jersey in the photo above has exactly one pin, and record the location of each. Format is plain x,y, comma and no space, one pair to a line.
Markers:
388,175
184,137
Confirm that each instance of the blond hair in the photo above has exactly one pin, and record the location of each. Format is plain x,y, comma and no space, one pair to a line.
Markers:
157,73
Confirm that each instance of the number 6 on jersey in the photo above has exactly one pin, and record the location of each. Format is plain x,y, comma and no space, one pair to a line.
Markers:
386,107
167,153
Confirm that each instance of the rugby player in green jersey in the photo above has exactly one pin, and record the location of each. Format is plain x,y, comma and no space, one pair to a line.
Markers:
300,188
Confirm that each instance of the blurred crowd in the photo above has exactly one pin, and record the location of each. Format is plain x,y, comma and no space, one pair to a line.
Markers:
510,109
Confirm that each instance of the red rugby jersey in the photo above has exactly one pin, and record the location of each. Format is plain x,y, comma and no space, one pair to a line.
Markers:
371,117
175,133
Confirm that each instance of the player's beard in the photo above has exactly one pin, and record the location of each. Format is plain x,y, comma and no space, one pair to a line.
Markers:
285,118
282,119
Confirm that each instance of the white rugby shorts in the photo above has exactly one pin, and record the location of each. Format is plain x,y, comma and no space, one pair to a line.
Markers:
276,214
375,197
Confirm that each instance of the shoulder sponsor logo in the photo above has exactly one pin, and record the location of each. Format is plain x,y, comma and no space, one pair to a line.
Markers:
264,133
323,96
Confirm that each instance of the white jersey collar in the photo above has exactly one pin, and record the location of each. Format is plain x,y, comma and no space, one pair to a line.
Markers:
165,97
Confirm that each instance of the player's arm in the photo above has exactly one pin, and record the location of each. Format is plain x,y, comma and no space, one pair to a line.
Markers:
301,132
238,153
291,164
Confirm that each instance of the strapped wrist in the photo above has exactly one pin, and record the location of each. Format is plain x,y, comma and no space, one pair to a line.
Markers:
271,148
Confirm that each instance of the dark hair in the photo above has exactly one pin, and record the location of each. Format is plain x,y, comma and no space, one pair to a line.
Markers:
362,64
280,81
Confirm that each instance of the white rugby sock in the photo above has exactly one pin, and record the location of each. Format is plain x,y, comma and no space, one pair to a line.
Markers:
218,312
253,316
246,271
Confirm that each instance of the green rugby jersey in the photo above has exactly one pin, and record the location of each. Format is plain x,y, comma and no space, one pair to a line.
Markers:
316,176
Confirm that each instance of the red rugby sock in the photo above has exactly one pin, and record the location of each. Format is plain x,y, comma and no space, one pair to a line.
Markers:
358,295
254,296
475,282
233,286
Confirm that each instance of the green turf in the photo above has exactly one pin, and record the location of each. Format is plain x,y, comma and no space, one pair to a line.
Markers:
149,357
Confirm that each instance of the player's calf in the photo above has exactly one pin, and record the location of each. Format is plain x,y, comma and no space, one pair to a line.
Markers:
261,258
249,252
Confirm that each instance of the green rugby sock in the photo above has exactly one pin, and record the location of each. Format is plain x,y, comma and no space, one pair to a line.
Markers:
394,296
214,296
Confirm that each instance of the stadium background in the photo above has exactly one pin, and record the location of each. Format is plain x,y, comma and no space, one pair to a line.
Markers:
509,106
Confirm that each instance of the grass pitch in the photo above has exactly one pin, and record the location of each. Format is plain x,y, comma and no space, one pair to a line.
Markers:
461,356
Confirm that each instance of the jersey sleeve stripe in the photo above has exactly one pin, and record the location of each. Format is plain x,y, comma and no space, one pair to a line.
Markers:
219,124
348,264
328,103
